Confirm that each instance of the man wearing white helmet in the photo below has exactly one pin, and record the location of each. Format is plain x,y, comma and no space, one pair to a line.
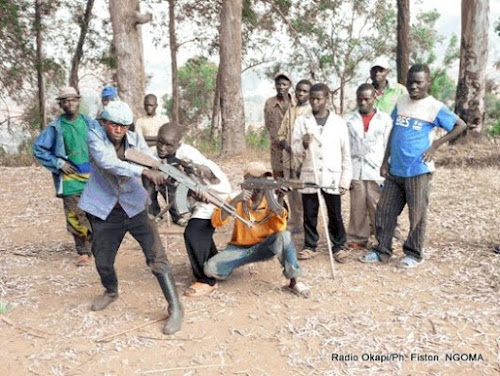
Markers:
115,201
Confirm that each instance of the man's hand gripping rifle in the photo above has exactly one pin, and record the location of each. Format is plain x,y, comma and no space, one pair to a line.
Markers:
281,186
186,184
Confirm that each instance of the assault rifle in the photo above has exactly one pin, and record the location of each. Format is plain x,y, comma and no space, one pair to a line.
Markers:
280,185
186,184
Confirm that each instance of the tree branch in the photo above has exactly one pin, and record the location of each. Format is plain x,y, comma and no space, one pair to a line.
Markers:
141,18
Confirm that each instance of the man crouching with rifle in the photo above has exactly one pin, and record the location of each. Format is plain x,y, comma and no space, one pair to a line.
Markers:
262,241
115,201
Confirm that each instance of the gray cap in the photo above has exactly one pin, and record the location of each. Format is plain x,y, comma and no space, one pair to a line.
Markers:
67,92
118,112
282,74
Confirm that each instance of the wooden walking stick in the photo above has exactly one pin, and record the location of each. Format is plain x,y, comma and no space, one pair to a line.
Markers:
322,209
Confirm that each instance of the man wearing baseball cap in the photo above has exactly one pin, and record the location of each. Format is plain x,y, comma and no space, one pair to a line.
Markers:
267,237
116,200
387,93
62,148
109,93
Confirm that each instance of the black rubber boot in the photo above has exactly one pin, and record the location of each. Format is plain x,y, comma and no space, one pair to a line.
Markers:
175,310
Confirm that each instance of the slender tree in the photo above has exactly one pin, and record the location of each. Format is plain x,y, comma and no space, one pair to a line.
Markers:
39,63
403,45
126,19
77,56
232,108
174,113
473,61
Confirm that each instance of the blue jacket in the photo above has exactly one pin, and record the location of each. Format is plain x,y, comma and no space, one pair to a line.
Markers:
49,149
112,180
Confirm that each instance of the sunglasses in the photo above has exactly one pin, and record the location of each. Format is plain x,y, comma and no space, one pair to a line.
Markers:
116,126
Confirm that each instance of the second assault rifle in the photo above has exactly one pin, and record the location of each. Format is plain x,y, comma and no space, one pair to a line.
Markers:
186,184
280,185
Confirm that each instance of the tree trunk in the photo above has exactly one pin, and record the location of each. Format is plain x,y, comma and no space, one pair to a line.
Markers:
473,59
232,109
127,40
216,120
342,95
39,64
174,111
403,35
75,63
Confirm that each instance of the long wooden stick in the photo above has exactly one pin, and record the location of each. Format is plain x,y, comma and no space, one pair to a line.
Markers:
322,210
29,331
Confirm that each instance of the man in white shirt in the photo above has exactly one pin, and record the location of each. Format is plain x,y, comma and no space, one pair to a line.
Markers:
198,239
369,130
149,125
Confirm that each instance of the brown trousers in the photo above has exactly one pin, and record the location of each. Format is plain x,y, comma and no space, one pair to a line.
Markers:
364,197
296,215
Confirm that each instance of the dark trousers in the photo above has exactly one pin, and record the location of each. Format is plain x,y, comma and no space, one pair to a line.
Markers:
200,247
310,204
107,237
398,192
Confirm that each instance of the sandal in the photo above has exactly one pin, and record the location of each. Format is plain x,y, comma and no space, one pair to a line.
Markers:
410,262
341,256
497,249
83,260
370,258
306,254
300,289
200,289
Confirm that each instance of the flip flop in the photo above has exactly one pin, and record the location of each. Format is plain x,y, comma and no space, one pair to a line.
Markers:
410,263
200,289
306,254
300,289
371,257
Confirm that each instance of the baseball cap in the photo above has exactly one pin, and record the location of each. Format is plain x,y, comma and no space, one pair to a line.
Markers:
67,92
381,62
257,169
118,112
109,92
282,74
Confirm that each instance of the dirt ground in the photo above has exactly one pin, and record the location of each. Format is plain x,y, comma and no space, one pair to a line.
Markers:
367,320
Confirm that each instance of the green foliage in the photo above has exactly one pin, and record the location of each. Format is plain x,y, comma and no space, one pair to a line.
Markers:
494,130
4,307
203,142
334,37
492,114
424,41
424,38
443,87
197,86
257,138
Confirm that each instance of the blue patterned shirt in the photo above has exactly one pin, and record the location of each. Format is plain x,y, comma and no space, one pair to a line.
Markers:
413,133
112,180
